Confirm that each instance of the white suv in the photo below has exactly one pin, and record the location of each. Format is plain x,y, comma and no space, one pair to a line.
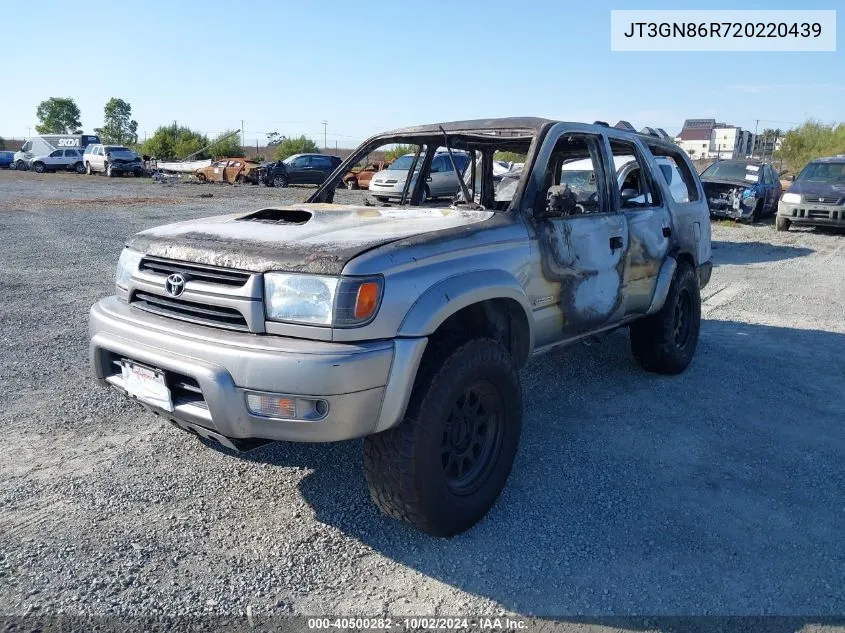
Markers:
112,160
58,160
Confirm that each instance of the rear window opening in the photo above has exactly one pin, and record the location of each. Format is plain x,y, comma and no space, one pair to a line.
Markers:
278,216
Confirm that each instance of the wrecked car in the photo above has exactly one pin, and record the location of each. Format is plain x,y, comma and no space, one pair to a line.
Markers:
299,169
816,197
744,190
359,177
407,324
230,170
112,160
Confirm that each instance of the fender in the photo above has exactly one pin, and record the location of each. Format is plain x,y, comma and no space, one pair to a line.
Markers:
452,294
664,281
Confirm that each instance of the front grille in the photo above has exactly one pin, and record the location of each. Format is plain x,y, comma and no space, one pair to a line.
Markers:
203,313
821,200
817,214
195,272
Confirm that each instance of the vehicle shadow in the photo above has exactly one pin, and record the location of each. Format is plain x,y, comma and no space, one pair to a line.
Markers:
743,253
716,492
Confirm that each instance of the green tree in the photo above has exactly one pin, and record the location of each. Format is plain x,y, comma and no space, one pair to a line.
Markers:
223,146
172,142
810,140
273,139
509,157
118,126
290,146
58,115
397,151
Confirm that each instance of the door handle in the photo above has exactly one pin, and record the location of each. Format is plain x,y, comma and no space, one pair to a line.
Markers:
615,242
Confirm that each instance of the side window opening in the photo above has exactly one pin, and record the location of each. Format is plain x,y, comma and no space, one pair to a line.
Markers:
574,179
636,191
682,184
56,154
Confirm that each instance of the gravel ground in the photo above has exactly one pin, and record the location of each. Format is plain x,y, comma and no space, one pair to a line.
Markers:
718,492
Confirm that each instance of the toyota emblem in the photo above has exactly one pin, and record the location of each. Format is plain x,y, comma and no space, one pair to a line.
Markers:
174,285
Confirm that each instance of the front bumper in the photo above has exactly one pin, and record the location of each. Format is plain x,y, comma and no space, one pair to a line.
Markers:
127,168
813,214
391,190
366,385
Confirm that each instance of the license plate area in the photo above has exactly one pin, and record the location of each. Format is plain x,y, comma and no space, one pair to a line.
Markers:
147,384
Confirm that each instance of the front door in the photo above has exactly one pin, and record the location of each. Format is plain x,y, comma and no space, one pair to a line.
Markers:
582,239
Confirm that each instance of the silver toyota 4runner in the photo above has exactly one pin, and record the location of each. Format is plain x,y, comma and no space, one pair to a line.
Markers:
407,324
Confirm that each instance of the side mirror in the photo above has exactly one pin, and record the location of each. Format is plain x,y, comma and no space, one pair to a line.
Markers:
629,194
792,178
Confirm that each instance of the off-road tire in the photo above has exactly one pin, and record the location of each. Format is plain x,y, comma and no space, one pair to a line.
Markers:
351,184
39,167
280,181
404,465
656,342
782,224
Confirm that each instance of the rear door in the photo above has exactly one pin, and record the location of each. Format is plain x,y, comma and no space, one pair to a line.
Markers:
71,157
640,199
321,166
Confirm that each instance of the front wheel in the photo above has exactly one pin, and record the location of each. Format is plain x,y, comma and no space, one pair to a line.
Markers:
21,165
39,168
352,183
782,224
665,342
280,181
445,465
88,169
109,172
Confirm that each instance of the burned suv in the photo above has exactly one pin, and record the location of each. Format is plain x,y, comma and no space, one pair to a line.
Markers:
407,325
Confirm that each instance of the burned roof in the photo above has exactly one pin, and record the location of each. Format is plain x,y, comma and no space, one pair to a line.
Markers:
528,124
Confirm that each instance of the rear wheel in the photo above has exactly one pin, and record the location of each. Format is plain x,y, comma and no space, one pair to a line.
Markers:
39,167
280,181
445,465
79,168
782,224
239,179
665,342
21,165
201,177
352,183
88,169
109,171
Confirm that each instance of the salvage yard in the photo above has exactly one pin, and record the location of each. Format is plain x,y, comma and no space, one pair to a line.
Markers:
716,492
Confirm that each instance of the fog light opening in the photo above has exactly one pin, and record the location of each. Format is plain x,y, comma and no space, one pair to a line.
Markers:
282,407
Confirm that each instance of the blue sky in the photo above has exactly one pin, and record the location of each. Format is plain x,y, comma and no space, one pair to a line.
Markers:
370,66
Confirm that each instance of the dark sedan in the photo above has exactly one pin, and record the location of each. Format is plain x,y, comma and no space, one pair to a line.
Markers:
300,169
741,189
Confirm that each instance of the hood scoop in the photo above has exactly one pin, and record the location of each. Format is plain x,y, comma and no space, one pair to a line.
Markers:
278,216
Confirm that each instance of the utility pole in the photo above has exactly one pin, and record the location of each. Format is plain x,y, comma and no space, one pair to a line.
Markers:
27,132
754,145
243,142
325,143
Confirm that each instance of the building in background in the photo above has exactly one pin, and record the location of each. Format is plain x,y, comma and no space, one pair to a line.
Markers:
706,138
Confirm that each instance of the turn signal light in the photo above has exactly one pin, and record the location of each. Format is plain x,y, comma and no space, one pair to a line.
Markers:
366,300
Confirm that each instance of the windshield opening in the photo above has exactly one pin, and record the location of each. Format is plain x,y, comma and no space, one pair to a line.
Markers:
418,170
823,172
116,148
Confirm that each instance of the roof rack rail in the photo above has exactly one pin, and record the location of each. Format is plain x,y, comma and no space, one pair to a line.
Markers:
604,123
624,125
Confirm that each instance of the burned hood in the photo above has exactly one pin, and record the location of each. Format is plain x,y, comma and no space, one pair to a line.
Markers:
313,238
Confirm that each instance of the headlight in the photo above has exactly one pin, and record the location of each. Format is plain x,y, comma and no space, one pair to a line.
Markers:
318,300
126,265
791,198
